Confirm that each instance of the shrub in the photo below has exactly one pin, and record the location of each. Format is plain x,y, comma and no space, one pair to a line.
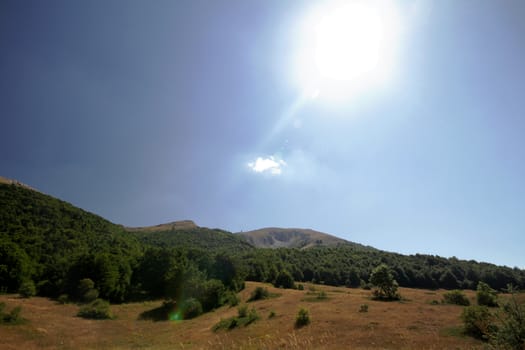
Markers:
191,308
272,314
365,286
211,294
300,287
97,309
231,298
252,317
259,293
63,299
86,290
511,333
242,310
363,308
486,296
244,318
456,297
27,289
303,318
90,295
13,317
477,321
284,280
386,285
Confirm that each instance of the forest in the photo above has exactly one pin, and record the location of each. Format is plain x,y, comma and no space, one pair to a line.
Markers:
61,251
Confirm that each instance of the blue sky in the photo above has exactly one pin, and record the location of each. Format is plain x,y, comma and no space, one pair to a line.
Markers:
150,112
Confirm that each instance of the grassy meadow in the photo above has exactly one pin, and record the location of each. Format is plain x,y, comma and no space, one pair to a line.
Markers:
337,321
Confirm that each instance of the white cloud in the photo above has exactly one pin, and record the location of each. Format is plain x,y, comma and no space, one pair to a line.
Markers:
270,165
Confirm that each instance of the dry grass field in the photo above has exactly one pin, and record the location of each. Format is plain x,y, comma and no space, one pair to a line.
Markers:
336,323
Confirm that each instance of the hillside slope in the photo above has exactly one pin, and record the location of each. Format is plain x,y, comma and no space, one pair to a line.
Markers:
274,237
54,244
42,237
186,234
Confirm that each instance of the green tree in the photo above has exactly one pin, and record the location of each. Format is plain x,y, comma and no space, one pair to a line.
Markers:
486,295
284,280
386,285
15,265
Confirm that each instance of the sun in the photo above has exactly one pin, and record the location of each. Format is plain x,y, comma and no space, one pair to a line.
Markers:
348,42
345,46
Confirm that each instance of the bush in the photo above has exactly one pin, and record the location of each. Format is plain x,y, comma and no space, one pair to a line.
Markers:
300,287
191,308
98,309
244,318
211,294
302,319
242,310
486,296
12,317
86,291
27,289
386,285
364,285
456,297
272,314
284,280
363,308
511,333
231,298
259,293
478,321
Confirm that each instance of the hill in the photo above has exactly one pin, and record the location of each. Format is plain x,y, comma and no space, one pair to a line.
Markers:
55,244
186,234
273,237
43,239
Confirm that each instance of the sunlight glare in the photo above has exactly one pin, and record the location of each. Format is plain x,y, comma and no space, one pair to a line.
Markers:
346,47
347,42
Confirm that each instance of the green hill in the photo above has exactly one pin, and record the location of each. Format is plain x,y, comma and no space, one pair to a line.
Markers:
55,245
42,238
187,235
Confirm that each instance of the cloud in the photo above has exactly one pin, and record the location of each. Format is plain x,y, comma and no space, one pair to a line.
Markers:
270,165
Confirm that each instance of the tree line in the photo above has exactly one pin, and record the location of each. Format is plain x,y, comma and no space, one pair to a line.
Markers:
60,248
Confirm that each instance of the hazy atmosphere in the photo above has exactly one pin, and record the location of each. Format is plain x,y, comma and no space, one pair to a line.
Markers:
246,114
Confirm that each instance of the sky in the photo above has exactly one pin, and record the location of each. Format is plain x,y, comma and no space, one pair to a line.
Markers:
242,114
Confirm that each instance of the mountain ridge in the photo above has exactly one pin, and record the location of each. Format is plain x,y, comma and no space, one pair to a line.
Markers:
301,238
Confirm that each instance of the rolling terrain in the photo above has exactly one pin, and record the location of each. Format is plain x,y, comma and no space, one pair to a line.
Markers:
49,238
336,323
53,246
